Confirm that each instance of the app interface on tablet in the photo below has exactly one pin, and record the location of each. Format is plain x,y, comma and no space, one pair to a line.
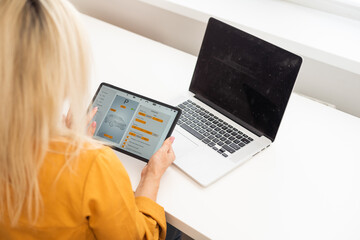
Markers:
131,123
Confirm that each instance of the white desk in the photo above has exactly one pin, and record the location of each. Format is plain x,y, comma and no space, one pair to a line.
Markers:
304,186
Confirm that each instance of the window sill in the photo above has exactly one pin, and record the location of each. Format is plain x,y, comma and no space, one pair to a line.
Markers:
321,36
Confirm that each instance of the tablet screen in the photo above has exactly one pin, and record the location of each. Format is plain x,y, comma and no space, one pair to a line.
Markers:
132,123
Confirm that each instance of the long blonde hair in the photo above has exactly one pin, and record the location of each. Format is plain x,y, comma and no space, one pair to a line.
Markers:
44,63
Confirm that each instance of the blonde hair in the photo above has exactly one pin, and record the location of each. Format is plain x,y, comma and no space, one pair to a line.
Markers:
44,63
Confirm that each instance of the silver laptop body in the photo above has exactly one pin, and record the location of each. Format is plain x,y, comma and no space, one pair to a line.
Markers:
236,100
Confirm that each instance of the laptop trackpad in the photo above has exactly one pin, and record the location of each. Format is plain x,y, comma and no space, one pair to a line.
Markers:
182,145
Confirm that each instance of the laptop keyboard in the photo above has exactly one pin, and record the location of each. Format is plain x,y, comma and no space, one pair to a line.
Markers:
217,134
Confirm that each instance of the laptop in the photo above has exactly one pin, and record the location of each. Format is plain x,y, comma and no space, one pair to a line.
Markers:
236,100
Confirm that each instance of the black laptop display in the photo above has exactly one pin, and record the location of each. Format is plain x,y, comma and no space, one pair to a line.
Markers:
245,78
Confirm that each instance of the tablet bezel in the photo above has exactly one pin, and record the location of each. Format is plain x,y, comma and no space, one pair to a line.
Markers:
143,97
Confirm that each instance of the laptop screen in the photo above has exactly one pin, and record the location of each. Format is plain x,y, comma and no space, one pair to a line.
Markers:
245,78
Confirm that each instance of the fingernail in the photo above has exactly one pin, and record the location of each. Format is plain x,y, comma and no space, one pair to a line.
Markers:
172,139
93,124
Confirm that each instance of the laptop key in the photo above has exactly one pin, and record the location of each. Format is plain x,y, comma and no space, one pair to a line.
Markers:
234,146
244,140
206,140
229,149
224,154
181,106
192,131
211,144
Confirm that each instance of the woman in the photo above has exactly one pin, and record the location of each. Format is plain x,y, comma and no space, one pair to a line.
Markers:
55,182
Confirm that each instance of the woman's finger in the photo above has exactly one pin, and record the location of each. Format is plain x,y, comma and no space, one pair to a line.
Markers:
167,143
91,129
91,115
68,119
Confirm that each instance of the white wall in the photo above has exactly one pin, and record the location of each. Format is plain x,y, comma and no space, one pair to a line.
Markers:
317,80
160,25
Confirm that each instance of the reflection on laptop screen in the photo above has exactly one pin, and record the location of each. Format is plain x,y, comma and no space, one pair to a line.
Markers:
247,79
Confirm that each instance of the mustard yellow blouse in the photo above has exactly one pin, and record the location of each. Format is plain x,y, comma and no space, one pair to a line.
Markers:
94,200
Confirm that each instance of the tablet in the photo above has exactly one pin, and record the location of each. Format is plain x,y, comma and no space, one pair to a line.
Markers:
130,123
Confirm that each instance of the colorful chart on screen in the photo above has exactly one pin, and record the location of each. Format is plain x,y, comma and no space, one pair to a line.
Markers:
132,123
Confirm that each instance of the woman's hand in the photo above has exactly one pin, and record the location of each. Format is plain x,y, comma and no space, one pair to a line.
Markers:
154,170
161,160
91,128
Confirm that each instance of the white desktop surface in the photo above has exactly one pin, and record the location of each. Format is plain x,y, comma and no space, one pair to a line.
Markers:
306,185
